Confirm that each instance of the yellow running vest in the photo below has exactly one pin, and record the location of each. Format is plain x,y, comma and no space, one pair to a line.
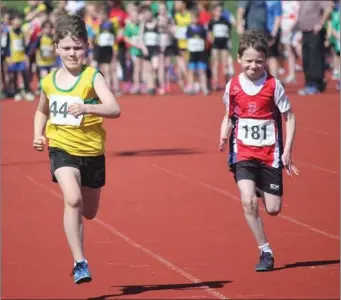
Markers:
182,21
17,47
81,136
45,55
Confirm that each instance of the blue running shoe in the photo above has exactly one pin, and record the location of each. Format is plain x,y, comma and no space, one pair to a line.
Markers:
81,272
266,262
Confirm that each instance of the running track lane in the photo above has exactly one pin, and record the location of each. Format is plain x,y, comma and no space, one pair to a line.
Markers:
170,192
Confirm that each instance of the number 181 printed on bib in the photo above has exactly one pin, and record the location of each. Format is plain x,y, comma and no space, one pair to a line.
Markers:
59,110
259,133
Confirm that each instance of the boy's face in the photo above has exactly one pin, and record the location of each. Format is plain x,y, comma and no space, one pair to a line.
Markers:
162,9
6,18
148,16
16,22
217,12
253,63
194,19
43,17
134,16
178,5
61,4
72,52
103,16
47,29
91,10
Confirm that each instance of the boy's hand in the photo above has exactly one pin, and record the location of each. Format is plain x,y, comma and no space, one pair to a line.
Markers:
288,164
222,144
39,142
77,109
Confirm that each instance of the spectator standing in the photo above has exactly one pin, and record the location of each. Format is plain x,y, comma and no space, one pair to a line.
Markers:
16,59
333,32
312,18
288,31
119,16
251,15
274,14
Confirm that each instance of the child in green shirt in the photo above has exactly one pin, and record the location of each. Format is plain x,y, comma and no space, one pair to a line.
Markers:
133,39
334,39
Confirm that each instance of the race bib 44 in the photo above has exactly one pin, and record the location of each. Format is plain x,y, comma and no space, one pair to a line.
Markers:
59,110
259,133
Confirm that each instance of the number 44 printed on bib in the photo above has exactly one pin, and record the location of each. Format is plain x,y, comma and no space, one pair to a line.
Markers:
59,114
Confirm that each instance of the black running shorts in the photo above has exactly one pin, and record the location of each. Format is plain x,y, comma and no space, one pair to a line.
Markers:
92,168
267,179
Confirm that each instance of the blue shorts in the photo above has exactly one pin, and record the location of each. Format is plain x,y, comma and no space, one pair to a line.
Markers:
17,67
196,66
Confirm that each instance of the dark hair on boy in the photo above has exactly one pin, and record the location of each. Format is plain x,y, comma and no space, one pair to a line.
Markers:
46,24
195,12
72,25
255,39
144,8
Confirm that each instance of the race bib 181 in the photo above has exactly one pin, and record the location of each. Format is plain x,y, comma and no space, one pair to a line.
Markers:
59,110
259,133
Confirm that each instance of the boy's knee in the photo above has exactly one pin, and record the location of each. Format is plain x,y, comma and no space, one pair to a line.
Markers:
273,205
89,215
73,201
250,205
273,210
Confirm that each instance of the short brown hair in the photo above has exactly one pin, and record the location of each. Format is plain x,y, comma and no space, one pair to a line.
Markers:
255,39
70,25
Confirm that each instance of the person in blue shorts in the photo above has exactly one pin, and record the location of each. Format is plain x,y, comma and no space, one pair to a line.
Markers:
196,44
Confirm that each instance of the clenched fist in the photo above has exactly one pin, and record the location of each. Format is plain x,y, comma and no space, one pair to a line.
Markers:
39,142
76,109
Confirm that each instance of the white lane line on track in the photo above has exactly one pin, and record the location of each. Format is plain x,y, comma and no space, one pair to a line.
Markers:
317,167
232,196
132,243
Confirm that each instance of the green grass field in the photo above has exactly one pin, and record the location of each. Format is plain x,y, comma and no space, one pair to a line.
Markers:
229,4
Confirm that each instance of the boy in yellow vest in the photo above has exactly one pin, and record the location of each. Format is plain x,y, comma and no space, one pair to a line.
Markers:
44,50
16,58
73,102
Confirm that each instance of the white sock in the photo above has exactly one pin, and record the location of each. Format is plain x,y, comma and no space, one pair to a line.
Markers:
265,248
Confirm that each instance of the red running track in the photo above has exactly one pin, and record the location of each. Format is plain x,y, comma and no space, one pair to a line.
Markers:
170,224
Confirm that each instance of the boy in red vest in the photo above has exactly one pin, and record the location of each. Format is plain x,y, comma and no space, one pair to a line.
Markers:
255,103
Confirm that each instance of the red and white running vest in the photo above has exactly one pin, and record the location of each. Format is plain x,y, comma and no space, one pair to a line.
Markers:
257,124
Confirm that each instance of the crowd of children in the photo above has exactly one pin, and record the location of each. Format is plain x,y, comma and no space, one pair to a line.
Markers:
140,47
